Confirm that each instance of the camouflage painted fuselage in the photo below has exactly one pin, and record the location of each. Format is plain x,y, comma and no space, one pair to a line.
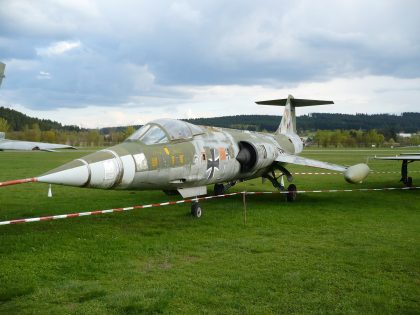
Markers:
208,157
174,155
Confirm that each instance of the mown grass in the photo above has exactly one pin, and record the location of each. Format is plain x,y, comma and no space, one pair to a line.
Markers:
326,253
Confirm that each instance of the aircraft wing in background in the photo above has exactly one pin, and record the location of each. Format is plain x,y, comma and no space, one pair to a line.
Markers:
405,158
31,146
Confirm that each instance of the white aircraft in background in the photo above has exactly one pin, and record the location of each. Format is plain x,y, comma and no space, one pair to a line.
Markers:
6,144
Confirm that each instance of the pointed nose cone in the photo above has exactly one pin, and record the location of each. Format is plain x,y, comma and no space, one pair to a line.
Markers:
102,169
75,173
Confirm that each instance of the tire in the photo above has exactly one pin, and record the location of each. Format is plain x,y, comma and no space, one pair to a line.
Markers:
196,211
409,182
292,193
219,189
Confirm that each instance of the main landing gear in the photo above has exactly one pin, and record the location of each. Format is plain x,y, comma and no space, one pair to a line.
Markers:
220,189
408,181
292,189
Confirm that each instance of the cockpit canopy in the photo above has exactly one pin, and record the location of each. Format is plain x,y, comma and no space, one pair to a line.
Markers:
165,130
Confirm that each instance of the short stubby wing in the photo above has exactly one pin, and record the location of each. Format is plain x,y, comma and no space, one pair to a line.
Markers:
298,160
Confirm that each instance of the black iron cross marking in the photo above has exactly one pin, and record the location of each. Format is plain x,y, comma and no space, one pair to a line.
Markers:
212,163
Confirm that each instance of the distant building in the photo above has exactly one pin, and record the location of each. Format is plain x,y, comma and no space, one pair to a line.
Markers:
404,135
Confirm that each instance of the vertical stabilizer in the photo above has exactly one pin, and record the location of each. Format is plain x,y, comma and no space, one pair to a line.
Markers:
2,67
288,121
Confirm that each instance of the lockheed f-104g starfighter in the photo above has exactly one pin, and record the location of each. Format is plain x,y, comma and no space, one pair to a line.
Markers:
179,157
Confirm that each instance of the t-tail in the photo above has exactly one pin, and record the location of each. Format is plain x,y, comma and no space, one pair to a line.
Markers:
288,121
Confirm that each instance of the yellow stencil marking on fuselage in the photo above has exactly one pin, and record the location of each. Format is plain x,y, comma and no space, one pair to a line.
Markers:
181,159
155,162
166,150
173,159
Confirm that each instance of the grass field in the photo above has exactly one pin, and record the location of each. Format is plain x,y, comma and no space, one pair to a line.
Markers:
348,253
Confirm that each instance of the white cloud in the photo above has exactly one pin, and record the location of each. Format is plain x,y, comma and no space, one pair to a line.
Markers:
58,48
370,94
184,11
162,58
43,75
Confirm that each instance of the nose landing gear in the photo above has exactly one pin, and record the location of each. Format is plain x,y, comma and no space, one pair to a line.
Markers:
196,209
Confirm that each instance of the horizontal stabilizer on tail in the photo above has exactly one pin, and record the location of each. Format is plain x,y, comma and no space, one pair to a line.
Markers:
288,122
296,102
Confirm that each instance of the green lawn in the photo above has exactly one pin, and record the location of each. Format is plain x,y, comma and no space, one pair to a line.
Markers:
352,252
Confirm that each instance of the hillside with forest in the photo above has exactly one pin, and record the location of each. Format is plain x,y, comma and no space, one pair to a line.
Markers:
324,130
17,121
407,122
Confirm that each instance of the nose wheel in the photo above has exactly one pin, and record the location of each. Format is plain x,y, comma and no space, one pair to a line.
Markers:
196,209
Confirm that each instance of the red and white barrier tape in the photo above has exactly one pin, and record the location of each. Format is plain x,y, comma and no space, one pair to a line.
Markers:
34,179
335,173
81,214
18,181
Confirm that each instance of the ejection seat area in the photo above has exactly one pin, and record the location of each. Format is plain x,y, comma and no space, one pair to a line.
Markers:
165,130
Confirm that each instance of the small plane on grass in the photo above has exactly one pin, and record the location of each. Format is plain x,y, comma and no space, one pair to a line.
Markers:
179,157
406,158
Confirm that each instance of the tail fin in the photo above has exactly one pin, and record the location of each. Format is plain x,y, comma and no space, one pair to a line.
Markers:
2,66
288,121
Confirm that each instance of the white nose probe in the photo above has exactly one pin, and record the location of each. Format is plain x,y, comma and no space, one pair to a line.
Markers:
356,173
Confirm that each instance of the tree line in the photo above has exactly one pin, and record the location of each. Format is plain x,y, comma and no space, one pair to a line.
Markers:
351,130
385,123
17,121
406,122
359,138
81,138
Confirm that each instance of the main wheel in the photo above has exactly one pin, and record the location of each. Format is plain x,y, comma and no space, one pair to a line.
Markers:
196,210
409,182
292,193
219,189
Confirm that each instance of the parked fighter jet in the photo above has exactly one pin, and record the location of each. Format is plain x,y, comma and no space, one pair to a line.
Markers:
6,144
405,158
179,157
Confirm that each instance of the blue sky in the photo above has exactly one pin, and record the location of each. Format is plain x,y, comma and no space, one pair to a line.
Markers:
106,63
